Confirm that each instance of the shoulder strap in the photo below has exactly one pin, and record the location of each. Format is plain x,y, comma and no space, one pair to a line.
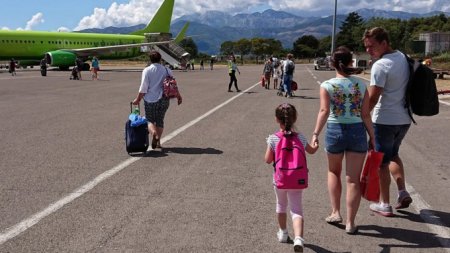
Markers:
167,71
412,65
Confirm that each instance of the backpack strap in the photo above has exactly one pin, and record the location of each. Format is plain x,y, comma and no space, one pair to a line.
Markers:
167,71
412,65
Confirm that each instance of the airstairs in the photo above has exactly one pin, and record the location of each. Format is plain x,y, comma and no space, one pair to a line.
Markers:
171,53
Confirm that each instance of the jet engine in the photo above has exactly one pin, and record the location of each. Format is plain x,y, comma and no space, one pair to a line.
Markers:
60,58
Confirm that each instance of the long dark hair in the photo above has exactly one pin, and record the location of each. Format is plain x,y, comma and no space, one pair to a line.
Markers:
341,59
286,115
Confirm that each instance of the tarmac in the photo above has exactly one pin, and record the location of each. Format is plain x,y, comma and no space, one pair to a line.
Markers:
68,185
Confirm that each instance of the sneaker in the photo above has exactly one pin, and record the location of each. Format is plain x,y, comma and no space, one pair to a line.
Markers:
404,200
283,236
382,210
298,244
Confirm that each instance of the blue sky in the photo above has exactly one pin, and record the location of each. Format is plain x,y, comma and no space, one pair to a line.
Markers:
53,15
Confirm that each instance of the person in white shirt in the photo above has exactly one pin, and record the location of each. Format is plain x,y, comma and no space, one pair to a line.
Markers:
156,104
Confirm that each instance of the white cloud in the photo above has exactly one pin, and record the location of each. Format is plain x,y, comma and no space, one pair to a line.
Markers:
140,11
133,13
35,20
5,28
63,29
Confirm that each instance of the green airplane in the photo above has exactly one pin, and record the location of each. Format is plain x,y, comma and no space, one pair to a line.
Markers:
61,49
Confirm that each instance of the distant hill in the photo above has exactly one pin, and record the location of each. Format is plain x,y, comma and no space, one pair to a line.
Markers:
210,29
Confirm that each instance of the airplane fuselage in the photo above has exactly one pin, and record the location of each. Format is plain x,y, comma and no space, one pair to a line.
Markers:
33,45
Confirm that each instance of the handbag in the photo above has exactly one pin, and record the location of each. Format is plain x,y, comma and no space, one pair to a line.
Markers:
263,80
170,87
370,180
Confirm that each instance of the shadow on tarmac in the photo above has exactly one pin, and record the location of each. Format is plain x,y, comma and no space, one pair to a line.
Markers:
434,217
319,249
303,97
412,239
193,151
185,151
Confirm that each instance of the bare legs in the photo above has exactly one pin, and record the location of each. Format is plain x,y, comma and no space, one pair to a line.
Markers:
395,167
354,163
156,131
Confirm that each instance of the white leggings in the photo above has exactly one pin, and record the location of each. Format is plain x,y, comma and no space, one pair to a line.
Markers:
291,197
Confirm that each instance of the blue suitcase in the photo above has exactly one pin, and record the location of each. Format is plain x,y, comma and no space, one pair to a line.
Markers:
136,138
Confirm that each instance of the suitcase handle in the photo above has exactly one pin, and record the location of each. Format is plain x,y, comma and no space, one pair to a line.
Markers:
138,106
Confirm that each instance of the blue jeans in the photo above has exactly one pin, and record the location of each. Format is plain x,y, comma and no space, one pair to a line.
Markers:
345,137
388,139
287,80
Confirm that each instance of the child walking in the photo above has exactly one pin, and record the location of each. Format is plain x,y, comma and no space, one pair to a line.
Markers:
276,76
286,116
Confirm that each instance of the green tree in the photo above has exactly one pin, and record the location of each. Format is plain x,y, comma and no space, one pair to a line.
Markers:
351,32
324,46
260,47
305,47
227,48
243,47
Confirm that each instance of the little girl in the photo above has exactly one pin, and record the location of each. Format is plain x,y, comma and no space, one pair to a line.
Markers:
276,76
286,115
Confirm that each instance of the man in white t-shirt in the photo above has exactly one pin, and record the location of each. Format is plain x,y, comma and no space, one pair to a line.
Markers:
388,81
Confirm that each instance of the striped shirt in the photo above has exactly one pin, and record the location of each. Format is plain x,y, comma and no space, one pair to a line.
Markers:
273,140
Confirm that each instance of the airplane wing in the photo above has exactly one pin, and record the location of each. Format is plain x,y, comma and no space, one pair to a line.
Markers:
98,51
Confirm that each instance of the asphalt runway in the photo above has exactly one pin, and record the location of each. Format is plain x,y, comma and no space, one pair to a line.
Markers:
68,185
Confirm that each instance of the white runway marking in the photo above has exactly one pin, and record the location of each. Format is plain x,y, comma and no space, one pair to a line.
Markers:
22,226
434,224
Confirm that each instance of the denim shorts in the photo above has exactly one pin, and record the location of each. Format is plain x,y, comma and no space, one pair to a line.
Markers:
346,137
388,139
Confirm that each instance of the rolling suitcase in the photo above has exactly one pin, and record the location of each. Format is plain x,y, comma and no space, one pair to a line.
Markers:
136,137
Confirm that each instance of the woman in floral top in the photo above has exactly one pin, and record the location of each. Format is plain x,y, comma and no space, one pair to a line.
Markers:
344,106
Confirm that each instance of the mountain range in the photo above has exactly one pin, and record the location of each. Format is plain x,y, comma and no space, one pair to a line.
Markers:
210,29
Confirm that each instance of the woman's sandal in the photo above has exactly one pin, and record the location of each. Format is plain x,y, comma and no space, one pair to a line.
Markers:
351,230
333,219
154,142
158,144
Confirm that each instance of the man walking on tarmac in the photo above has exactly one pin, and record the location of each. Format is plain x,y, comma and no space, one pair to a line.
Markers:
288,70
388,80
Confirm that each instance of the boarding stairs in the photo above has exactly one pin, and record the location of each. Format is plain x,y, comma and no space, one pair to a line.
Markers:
171,53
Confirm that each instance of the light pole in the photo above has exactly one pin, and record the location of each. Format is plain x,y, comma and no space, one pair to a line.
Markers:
333,35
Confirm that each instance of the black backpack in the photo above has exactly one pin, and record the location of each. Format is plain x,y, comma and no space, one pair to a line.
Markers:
421,94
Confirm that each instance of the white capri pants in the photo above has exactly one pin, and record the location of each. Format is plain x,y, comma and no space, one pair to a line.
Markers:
293,198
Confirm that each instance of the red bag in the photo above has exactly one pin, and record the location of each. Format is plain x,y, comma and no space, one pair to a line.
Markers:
294,86
263,80
170,87
370,180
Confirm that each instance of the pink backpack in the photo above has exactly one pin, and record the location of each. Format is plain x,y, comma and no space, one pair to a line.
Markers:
291,171
170,87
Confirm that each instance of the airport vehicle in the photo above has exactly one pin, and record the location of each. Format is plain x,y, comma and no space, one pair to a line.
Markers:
62,48
323,63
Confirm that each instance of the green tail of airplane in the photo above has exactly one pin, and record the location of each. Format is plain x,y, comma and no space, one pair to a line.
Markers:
160,22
